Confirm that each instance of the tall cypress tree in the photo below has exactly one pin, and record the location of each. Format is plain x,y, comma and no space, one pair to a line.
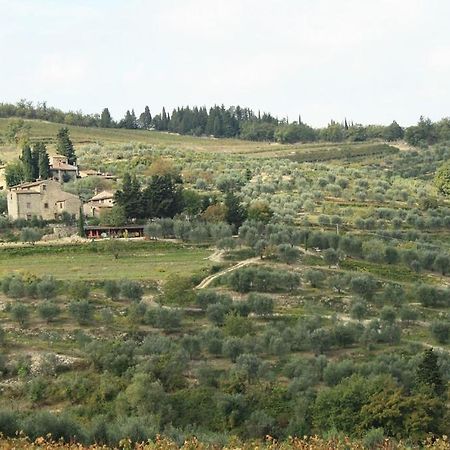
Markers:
35,160
27,162
44,162
145,119
64,145
81,232
428,373
130,197
105,119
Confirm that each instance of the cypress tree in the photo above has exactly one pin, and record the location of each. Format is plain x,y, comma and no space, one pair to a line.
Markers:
130,197
64,145
218,128
44,163
81,223
105,119
145,119
27,161
428,373
35,160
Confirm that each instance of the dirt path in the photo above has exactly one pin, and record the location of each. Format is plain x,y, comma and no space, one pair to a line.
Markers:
208,280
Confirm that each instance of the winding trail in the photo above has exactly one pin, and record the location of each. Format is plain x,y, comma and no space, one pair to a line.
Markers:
208,280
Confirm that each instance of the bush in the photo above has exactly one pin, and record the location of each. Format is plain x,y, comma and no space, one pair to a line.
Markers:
287,253
30,235
20,313
262,305
131,290
82,311
48,311
440,330
216,313
314,277
167,319
112,289
79,290
178,290
46,288
364,285
204,298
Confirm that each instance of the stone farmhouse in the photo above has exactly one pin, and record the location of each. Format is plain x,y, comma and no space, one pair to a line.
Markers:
61,170
44,199
103,201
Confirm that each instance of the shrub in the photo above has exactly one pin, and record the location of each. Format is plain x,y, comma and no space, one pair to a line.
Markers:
262,305
112,289
314,277
20,313
440,330
79,290
131,290
82,311
48,311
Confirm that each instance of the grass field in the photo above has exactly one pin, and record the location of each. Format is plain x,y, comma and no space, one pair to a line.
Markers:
149,261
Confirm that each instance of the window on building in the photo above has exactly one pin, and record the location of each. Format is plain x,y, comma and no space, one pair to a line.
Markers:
28,205
28,216
61,205
46,205
44,187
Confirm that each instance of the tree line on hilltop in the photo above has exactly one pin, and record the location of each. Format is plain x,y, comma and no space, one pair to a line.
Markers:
236,122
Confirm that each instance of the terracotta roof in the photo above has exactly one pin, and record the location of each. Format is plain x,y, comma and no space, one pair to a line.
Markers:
62,166
28,184
102,196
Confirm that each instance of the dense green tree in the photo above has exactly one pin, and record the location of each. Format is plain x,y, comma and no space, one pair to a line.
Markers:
129,121
105,119
178,290
428,372
17,131
393,132
235,212
145,119
64,145
422,134
27,162
130,197
163,196
14,173
43,161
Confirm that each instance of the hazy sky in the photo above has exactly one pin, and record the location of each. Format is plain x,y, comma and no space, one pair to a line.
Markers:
371,61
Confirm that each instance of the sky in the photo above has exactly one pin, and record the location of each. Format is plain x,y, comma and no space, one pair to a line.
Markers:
370,61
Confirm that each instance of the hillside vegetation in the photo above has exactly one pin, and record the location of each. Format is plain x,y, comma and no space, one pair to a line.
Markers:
281,290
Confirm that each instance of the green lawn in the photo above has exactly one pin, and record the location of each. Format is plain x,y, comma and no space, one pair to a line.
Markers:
143,261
